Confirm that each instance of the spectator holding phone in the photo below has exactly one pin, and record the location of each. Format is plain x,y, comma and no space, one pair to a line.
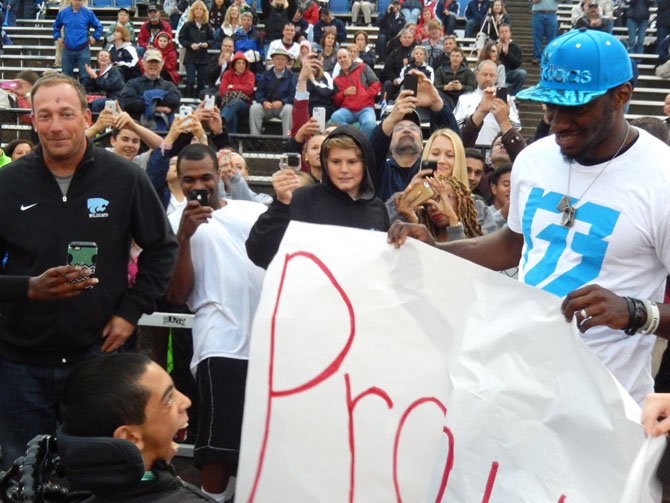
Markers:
443,204
214,276
482,102
345,196
55,316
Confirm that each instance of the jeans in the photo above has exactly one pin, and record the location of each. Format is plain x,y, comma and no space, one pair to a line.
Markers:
471,25
636,32
10,16
366,118
232,112
28,404
515,79
545,25
79,58
661,33
191,69
449,22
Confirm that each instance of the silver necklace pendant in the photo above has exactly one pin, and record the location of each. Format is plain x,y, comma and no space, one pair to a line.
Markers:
564,203
568,217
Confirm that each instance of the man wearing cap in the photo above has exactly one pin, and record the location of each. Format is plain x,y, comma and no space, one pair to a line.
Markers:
151,28
275,91
544,25
592,19
122,19
286,42
76,21
588,218
151,89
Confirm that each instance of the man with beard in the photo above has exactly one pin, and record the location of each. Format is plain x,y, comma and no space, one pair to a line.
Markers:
400,134
585,223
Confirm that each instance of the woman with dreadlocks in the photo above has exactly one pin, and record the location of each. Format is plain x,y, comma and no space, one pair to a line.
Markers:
450,214
445,148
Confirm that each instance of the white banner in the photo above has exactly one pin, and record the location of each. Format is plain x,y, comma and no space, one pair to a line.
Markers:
380,374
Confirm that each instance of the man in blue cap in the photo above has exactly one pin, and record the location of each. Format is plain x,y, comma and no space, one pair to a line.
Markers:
589,218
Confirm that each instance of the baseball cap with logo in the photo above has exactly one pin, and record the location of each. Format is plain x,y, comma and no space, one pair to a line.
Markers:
578,67
153,55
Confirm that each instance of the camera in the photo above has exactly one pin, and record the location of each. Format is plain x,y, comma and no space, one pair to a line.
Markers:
289,161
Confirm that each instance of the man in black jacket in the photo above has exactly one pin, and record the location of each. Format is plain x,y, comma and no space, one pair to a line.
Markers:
390,25
56,316
511,57
133,93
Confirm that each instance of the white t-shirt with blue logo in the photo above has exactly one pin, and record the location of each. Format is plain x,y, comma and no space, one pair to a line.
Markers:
620,238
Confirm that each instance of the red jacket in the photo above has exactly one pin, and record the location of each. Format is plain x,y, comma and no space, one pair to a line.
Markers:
367,85
232,81
144,38
171,66
311,14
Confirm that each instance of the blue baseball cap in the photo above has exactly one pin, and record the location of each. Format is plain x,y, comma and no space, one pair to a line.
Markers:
578,67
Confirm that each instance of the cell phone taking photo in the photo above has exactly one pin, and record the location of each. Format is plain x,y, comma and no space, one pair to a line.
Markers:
200,195
501,92
411,83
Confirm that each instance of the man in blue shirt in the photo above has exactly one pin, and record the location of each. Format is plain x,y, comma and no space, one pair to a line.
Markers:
76,21
275,91
475,13
544,24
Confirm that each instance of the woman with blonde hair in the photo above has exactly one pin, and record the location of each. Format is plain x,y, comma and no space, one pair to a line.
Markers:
445,148
231,20
196,36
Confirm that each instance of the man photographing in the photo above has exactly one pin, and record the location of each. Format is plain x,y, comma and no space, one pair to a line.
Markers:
585,222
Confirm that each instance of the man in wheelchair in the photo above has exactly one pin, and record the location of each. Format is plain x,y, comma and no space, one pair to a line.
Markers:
120,415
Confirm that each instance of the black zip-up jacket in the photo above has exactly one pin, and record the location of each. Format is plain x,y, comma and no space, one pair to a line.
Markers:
191,34
322,203
109,201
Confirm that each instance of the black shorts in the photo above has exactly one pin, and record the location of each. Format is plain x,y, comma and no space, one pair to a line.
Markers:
221,383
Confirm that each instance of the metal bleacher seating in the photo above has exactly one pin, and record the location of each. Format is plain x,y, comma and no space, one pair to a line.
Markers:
33,48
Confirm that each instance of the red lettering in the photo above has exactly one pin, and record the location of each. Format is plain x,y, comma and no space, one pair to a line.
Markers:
489,483
350,409
325,374
450,457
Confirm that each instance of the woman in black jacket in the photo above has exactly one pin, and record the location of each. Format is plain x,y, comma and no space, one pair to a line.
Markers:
345,196
196,36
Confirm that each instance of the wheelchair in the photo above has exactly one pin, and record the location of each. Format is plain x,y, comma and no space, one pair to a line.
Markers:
64,469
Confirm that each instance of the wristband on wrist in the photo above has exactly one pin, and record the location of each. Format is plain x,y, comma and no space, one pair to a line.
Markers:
653,318
637,319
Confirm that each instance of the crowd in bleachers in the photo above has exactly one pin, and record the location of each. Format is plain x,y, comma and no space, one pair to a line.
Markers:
198,72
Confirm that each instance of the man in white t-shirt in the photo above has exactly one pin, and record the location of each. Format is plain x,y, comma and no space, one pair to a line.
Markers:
589,218
486,73
222,287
